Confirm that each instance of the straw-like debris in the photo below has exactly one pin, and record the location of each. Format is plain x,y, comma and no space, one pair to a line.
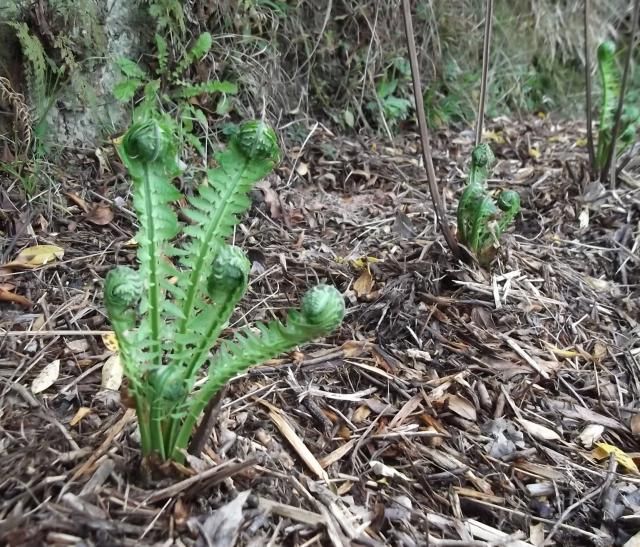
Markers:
455,406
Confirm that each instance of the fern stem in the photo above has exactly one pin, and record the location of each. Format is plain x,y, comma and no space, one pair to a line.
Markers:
195,278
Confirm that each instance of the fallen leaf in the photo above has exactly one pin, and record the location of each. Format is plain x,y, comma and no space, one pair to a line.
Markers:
47,377
80,345
100,215
364,283
112,373
360,414
538,431
8,296
633,541
461,407
583,218
591,434
634,424
35,256
110,341
271,198
302,169
80,413
75,198
498,138
603,450
222,527
534,153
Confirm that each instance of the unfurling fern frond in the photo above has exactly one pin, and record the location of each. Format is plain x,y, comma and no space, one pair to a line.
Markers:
215,211
167,318
321,312
610,89
481,220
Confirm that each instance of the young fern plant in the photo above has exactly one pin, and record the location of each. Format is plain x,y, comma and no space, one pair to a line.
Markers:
481,220
610,89
168,318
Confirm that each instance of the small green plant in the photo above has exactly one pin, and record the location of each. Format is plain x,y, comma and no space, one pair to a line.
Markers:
167,318
481,220
389,102
167,88
448,99
609,97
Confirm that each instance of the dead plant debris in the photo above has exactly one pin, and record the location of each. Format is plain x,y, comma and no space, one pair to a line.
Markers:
454,407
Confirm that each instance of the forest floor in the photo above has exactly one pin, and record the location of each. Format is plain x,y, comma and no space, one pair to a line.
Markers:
455,405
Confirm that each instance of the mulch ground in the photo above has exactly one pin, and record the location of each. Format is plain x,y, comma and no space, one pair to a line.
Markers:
455,405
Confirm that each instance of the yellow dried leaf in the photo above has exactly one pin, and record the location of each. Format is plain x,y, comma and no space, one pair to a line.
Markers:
81,413
534,153
581,142
495,137
110,341
364,283
603,450
363,262
35,256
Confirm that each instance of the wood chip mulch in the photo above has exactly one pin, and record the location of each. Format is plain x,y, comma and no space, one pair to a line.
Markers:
455,405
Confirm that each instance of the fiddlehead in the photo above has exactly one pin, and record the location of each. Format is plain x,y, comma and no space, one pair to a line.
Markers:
481,221
321,312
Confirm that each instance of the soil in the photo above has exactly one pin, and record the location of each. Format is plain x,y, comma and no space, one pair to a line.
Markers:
456,405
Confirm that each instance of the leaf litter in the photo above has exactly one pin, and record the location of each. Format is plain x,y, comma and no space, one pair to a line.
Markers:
455,406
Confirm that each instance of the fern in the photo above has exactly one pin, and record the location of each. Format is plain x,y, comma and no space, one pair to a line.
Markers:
35,67
199,49
167,318
610,92
205,88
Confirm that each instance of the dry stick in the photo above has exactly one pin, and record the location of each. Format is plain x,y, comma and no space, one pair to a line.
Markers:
623,88
587,87
424,134
486,46
200,437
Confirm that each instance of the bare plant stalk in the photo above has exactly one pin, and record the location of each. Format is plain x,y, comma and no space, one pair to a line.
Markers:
587,87
424,134
486,48
623,88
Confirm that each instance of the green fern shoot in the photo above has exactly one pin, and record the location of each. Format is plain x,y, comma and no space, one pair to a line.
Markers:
166,317
481,220
609,97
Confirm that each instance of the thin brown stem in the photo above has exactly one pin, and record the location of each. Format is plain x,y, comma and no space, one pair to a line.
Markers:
209,417
424,134
623,88
587,87
486,48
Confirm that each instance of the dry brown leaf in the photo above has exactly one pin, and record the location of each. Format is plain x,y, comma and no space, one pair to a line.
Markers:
360,414
75,198
271,198
461,407
538,431
364,283
47,377
112,373
79,415
35,256
100,215
634,424
7,295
